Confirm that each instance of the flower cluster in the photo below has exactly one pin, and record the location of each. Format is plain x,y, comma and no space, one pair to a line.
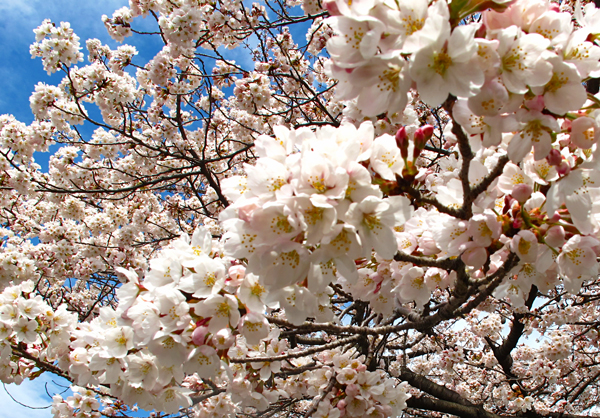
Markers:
530,45
26,320
307,210
56,46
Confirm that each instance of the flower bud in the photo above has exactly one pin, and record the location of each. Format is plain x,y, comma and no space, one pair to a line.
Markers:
223,339
522,192
199,335
475,257
554,218
554,157
563,169
402,142
555,237
332,7
422,135
352,390
236,275
537,103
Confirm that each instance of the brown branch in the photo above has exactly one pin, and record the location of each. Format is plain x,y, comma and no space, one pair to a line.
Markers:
463,411
431,404
489,179
445,264
495,281
304,353
432,388
502,352
201,163
42,365
585,386
318,399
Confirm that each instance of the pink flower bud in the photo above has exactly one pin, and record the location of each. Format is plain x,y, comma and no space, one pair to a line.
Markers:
199,335
555,237
537,103
522,192
563,168
236,275
418,136
554,218
402,142
332,7
352,390
554,157
223,339
428,131
475,257
422,135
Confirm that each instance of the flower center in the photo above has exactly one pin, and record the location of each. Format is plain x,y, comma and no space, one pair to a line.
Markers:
524,246
441,63
556,82
412,25
371,221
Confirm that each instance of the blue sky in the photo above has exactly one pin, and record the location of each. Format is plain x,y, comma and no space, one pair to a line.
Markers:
18,72
18,76
32,394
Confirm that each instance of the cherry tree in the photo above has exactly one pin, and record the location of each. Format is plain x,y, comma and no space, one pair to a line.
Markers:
392,211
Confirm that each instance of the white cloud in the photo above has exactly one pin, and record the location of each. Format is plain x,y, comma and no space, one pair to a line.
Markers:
15,7
21,17
18,73
33,394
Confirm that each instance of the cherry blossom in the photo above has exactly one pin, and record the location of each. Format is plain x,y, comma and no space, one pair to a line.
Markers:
378,209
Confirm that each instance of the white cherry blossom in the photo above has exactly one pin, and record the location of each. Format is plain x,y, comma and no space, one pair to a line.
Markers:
445,64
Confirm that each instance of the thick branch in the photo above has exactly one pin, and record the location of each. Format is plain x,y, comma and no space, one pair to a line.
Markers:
432,388
42,365
463,411
446,264
502,352
496,280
